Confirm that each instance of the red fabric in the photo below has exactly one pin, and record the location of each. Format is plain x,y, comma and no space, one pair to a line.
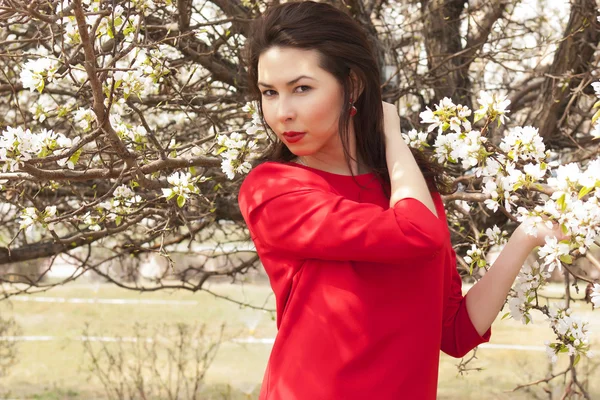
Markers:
366,295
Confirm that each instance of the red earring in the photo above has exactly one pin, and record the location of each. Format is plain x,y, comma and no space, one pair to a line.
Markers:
353,110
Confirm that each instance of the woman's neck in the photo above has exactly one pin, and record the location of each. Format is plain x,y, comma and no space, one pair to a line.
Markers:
340,168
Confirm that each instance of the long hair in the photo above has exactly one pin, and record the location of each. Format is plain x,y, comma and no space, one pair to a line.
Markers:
342,46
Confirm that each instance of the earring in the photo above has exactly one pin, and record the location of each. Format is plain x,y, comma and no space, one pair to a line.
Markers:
353,110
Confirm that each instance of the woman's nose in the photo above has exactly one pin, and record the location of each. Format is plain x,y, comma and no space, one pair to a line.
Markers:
286,111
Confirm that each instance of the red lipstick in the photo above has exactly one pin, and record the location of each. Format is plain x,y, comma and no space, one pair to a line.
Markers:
293,137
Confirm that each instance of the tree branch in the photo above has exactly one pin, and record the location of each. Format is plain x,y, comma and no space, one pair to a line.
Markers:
571,65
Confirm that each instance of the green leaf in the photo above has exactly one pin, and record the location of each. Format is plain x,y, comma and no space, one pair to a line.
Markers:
222,149
595,117
584,190
75,157
561,202
180,201
577,358
128,29
505,316
566,258
40,87
118,220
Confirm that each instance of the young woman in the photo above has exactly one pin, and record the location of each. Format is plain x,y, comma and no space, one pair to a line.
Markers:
350,228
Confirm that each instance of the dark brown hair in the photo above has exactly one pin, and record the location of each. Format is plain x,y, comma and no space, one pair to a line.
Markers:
343,47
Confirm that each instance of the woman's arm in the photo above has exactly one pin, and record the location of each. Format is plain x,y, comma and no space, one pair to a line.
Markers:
293,211
406,178
486,298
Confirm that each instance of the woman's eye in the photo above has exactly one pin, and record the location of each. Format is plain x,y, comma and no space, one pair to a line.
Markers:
307,88
265,93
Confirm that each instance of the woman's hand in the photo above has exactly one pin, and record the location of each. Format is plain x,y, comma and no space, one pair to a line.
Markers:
544,231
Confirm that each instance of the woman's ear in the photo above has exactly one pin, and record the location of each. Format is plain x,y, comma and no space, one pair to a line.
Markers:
357,85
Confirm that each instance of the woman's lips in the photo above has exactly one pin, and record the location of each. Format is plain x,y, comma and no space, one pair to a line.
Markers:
293,137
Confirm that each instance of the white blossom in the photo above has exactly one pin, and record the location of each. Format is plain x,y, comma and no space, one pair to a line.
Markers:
92,221
523,143
595,132
36,72
447,115
415,139
83,118
41,108
233,149
572,333
182,185
30,216
552,252
530,279
475,257
496,236
550,352
492,105
596,86
595,296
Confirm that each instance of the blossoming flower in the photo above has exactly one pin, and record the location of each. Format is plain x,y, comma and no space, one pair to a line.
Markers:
523,143
233,149
36,72
571,332
596,86
496,236
553,252
530,279
447,115
83,118
415,139
595,296
182,185
595,132
492,105
31,216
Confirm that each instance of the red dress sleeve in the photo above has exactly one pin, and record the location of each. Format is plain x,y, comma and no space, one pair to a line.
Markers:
292,210
459,336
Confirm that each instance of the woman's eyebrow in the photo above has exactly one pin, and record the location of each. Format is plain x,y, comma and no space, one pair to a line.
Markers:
289,83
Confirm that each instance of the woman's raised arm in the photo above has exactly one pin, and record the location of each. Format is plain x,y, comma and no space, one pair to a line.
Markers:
406,178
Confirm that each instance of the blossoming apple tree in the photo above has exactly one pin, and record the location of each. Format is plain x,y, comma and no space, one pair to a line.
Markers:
127,128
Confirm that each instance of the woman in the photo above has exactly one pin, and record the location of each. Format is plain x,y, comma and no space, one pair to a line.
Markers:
350,228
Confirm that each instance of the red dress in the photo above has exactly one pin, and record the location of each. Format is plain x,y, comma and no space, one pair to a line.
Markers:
366,294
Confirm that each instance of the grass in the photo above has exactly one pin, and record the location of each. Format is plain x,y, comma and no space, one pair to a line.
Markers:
58,369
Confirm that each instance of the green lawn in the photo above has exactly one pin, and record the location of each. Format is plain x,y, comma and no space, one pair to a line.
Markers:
58,369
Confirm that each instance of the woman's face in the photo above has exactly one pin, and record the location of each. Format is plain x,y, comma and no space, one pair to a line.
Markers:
298,96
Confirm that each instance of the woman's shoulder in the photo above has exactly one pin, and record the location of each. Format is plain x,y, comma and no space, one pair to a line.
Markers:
272,173
273,178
